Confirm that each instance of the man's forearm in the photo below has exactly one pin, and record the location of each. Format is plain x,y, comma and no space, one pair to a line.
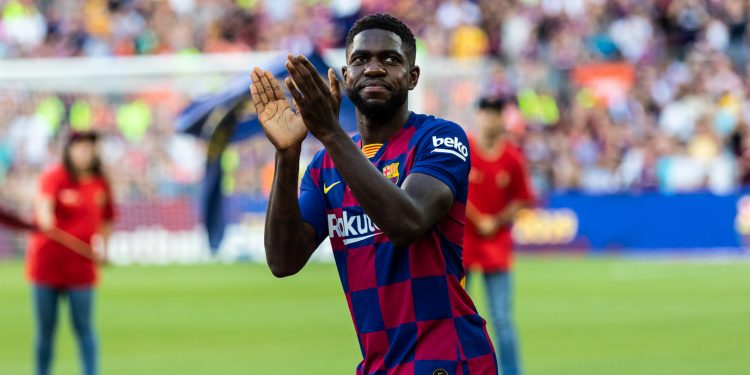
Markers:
288,244
389,207
506,216
472,214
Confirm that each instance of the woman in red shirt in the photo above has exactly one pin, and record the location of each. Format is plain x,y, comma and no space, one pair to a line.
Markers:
73,197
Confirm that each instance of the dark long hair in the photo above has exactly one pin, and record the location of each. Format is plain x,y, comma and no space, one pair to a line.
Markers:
96,166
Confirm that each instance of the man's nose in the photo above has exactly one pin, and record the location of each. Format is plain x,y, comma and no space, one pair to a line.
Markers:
374,69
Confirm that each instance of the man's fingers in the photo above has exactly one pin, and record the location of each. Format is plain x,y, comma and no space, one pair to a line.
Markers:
296,107
300,83
257,72
316,78
302,77
277,91
254,80
296,95
333,84
255,94
265,80
257,102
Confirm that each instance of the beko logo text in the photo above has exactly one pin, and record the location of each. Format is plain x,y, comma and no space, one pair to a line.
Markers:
451,146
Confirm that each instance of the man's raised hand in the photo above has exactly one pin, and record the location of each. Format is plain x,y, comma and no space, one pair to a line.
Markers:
317,102
284,128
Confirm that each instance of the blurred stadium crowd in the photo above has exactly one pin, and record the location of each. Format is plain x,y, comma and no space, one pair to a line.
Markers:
682,125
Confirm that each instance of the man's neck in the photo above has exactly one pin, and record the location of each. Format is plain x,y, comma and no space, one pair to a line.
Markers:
490,142
379,132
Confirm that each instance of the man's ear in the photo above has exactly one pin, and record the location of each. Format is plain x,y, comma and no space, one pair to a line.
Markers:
343,72
413,77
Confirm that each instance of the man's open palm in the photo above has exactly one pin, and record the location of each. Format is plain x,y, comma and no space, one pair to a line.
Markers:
282,126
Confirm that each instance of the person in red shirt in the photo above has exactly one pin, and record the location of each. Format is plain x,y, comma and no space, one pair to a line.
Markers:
498,189
73,197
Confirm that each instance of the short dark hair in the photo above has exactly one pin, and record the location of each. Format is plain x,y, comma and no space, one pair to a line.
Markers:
387,22
495,103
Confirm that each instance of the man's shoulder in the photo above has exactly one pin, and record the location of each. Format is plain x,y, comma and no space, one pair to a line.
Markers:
514,151
428,127
513,155
431,123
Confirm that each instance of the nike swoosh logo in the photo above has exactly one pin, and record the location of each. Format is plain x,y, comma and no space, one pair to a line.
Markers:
326,189
463,158
361,238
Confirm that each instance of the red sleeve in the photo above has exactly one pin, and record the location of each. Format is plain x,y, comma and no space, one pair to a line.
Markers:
49,183
109,205
521,186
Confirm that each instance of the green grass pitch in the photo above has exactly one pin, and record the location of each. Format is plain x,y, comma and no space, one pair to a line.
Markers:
575,316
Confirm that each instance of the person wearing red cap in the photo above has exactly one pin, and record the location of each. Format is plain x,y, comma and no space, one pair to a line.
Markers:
73,197
498,189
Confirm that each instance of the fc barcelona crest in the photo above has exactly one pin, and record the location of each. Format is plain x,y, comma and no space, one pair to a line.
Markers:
390,172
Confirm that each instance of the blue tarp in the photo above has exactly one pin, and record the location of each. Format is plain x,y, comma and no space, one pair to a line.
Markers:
195,119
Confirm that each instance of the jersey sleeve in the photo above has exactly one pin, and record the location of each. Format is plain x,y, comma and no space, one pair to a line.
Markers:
521,187
312,203
443,153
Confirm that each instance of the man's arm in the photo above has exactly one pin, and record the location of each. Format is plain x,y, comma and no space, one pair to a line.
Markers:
522,197
521,192
289,240
488,225
403,214
485,224
506,216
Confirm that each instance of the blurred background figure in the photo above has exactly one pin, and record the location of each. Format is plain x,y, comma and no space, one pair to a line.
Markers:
498,189
73,197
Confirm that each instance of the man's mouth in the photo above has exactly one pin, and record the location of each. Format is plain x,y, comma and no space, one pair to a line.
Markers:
376,88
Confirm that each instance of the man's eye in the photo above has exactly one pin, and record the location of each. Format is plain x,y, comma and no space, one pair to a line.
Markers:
359,59
391,60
